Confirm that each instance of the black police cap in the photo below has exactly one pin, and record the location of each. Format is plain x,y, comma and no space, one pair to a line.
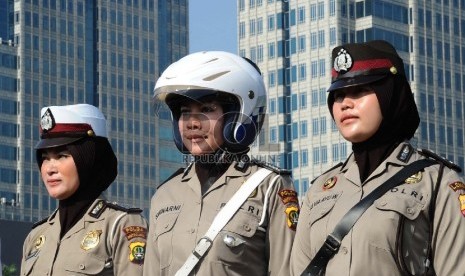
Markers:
364,63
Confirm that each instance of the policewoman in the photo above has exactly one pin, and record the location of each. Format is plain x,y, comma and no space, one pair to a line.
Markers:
224,214
413,227
86,235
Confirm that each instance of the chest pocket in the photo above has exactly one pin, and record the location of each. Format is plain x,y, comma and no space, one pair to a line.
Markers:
163,235
165,224
243,224
321,206
84,264
401,200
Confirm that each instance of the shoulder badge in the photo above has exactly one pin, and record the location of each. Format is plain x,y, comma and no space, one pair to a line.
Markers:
98,209
101,205
442,160
42,221
271,167
405,153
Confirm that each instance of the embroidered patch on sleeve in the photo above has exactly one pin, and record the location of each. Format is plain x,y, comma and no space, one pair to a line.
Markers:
458,185
288,196
292,213
462,204
132,232
137,252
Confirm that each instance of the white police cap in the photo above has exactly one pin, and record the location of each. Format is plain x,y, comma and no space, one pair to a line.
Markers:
62,125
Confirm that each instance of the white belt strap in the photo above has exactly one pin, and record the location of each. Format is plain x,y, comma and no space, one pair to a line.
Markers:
221,219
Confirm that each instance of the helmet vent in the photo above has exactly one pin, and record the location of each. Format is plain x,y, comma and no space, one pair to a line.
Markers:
215,76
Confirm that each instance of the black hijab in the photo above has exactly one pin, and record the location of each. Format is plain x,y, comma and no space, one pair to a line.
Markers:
96,165
400,121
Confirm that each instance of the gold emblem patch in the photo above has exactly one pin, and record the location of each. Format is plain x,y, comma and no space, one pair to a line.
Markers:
292,213
39,242
91,239
329,183
462,204
137,252
414,178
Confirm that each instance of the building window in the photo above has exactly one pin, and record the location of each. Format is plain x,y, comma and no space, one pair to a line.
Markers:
302,72
260,25
321,39
260,53
303,128
241,29
302,44
273,106
323,125
271,50
313,12
271,24
332,36
316,155
335,152
324,154
313,40
252,23
315,127
304,158
272,79
303,100
273,135
321,10
301,15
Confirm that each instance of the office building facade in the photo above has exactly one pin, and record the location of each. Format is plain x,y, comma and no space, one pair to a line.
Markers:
105,52
291,41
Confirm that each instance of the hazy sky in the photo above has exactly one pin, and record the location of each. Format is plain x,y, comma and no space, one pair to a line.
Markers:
213,25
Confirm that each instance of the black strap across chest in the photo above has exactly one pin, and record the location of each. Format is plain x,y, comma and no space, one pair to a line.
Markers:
333,241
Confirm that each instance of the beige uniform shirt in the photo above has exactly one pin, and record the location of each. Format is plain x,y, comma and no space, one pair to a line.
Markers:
392,235
256,241
106,241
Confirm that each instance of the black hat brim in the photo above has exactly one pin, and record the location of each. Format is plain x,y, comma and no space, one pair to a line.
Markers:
355,81
55,142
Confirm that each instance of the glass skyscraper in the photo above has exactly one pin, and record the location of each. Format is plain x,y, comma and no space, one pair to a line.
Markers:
104,52
291,41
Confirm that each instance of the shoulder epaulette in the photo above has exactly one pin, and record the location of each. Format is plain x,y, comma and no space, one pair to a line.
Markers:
271,167
42,221
116,206
330,169
176,173
440,159
101,205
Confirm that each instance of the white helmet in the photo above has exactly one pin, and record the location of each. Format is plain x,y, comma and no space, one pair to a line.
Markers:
219,74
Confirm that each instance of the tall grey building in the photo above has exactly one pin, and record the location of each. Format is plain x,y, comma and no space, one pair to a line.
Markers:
104,52
291,41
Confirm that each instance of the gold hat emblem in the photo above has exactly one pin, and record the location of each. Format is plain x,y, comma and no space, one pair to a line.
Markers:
91,239
414,178
39,242
330,183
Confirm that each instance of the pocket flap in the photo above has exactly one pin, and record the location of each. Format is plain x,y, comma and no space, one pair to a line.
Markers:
242,223
402,200
84,263
321,205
